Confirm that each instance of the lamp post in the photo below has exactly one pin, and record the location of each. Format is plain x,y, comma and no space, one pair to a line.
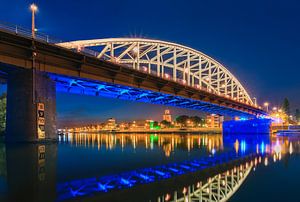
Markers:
255,101
33,9
266,104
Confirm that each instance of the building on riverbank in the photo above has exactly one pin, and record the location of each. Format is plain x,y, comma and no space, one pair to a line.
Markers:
167,116
214,121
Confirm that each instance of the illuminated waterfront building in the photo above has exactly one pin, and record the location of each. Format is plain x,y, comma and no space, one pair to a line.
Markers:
167,116
214,121
110,124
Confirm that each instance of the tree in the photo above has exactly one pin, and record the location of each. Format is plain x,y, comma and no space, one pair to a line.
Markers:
2,112
167,124
182,119
286,106
297,115
197,120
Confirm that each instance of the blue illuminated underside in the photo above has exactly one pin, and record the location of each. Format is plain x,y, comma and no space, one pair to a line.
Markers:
249,145
81,86
252,126
91,186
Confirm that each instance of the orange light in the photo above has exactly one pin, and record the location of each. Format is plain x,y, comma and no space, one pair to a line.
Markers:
33,7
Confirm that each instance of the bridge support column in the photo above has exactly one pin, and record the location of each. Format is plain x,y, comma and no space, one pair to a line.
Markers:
242,127
26,90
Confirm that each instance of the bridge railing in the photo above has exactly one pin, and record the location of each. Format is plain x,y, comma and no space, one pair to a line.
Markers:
18,30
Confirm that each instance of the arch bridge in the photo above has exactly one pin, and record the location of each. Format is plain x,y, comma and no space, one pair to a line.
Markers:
142,70
170,61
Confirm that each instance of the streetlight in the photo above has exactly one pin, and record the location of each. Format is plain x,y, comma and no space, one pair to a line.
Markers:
255,101
266,104
33,9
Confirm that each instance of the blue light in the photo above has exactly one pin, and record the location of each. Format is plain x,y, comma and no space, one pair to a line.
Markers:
160,173
243,146
72,189
127,182
174,170
262,147
104,187
96,88
251,126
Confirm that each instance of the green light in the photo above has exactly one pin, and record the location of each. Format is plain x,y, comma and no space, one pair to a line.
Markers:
151,123
153,138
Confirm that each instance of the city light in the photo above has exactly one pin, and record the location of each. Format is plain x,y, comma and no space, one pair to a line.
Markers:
266,104
33,9
145,69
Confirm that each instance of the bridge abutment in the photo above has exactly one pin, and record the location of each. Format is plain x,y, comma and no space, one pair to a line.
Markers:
31,107
242,127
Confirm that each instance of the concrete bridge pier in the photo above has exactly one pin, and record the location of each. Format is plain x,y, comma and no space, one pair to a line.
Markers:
31,107
251,126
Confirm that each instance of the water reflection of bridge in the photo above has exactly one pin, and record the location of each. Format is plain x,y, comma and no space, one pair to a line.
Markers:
217,188
32,177
212,178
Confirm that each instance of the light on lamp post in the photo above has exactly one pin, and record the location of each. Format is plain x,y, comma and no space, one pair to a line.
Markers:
266,104
33,9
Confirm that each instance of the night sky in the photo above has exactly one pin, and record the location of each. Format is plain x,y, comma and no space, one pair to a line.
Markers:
258,41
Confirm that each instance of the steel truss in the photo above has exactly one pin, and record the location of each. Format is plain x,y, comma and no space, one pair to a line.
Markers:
169,61
80,86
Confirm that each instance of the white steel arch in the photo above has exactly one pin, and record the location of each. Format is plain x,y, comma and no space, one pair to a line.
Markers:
168,60
219,188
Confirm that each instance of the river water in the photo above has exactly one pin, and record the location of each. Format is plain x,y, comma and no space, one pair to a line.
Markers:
152,167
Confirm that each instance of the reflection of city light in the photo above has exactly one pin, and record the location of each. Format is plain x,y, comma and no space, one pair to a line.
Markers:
213,151
262,148
266,161
279,156
243,146
277,148
168,197
236,146
184,190
291,148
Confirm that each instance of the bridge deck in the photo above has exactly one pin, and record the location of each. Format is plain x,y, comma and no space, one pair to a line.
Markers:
23,52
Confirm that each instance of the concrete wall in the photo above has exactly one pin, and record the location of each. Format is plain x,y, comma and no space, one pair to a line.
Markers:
22,99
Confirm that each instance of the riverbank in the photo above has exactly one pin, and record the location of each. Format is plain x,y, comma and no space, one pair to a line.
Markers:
161,131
